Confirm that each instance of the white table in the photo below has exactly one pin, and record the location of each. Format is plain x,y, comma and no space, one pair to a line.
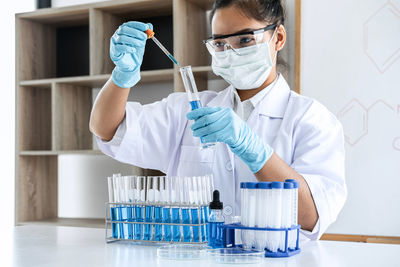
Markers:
72,246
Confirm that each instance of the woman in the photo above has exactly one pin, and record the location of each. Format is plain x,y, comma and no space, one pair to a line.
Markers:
265,131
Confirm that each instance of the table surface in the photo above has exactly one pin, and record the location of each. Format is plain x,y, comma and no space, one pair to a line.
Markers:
35,245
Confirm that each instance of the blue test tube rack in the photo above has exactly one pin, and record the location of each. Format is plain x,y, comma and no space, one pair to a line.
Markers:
116,225
229,238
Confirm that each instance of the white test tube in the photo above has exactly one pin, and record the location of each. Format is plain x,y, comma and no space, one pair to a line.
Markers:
261,219
258,239
248,240
276,220
286,212
243,212
294,213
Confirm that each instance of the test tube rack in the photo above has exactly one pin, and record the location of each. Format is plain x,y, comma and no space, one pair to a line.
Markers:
123,229
229,238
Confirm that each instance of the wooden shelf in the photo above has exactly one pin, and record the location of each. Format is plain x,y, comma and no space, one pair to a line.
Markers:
147,76
59,152
61,55
74,222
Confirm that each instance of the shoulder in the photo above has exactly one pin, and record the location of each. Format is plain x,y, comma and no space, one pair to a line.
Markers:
311,112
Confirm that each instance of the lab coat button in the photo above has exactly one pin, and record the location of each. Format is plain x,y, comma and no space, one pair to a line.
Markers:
228,166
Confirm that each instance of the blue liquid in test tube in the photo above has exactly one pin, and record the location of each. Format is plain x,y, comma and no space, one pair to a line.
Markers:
167,228
148,228
187,237
139,218
176,229
196,229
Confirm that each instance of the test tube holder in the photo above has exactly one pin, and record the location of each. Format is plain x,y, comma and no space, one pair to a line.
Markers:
109,222
229,238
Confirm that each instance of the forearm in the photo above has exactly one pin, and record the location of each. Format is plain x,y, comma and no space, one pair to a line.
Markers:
275,169
108,110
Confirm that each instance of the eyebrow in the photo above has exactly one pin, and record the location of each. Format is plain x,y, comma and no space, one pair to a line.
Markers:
243,30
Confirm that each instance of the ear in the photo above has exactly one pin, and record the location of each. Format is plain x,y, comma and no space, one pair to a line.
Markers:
280,38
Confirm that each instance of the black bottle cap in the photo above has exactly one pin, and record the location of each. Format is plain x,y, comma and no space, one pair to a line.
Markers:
215,204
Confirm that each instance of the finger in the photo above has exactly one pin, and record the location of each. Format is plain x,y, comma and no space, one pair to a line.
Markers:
197,113
137,25
150,25
120,48
211,128
132,32
126,40
211,138
208,119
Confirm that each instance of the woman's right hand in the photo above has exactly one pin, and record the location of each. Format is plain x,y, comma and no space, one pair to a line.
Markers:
126,51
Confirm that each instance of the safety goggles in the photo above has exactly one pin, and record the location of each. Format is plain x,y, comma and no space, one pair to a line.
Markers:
235,41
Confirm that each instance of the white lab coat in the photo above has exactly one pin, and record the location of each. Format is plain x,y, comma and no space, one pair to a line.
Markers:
300,130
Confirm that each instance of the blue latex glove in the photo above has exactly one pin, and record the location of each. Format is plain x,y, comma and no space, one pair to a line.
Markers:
126,51
216,124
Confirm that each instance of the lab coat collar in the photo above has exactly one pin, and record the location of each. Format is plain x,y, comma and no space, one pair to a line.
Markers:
273,104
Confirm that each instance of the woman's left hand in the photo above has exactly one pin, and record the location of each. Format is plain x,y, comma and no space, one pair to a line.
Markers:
216,124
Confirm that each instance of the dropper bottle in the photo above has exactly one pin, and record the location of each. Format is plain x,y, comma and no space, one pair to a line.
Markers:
215,220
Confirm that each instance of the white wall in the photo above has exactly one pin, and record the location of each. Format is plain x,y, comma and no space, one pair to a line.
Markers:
351,63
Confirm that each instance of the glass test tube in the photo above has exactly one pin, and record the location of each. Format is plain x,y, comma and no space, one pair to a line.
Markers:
158,234
118,199
201,201
113,209
194,199
124,198
131,209
166,210
149,210
125,184
192,93
140,194
184,197
175,199
209,179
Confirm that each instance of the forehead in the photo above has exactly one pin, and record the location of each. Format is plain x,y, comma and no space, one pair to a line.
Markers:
231,19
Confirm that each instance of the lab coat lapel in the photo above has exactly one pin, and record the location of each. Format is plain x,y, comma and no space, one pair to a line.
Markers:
274,104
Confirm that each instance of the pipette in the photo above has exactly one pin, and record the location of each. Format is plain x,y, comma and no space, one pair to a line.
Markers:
150,35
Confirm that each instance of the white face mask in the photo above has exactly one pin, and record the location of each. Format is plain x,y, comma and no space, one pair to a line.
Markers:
248,70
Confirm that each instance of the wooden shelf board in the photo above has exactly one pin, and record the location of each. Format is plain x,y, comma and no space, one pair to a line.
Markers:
71,14
99,80
205,4
74,222
58,152
205,70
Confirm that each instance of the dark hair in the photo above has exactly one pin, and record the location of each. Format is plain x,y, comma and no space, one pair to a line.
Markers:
270,11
